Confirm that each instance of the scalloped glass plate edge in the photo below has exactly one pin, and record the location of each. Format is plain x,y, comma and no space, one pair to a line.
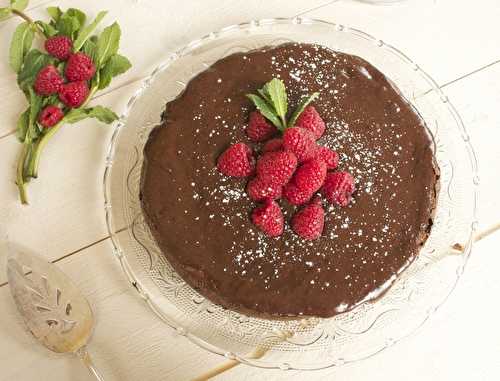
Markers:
146,294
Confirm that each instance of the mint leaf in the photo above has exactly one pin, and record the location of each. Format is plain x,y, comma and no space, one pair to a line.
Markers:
78,14
48,30
22,125
89,48
277,92
33,62
116,65
108,43
103,114
5,13
35,106
50,100
87,31
20,45
266,96
68,25
55,13
19,5
266,110
300,107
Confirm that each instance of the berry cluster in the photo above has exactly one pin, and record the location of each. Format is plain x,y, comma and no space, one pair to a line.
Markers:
72,90
293,167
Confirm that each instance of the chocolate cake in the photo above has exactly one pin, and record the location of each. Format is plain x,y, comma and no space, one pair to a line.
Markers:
201,218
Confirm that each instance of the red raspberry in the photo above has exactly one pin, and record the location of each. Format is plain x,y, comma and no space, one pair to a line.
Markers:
59,47
276,167
49,116
308,222
294,195
269,218
310,120
259,190
79,67
273,145
310,176
300,141
259,129
329,157
338,188
236,161
48,81
73,94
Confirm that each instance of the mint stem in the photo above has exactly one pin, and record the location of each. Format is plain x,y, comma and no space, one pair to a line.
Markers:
29,20
35,159
20,174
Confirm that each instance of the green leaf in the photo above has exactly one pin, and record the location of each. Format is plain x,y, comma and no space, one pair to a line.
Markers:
67,25
35,106
5,13
266,110
20,45
33,62
19,5
78,14
101,113
277,92
48,30
55,13
108,43
50,100
300,107
87,31
116,65
266,96
22,125
89,48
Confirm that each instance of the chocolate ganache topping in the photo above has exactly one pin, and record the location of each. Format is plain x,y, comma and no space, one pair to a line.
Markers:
201,218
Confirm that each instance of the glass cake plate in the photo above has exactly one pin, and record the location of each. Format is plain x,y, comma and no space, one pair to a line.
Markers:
307,343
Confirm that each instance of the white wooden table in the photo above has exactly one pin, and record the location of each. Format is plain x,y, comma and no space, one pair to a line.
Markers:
457,42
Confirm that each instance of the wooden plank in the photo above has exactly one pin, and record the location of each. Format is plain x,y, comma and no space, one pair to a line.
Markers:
477,98
447,38
150,31
130,343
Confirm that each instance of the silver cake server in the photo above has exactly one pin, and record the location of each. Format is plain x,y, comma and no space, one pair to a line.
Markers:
53,308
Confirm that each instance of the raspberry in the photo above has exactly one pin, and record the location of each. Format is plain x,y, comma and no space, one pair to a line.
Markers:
269,218
236,161
259,190
328,156
273,145
49,116
338,188
310,120
48,81
259,129
59,47
73,94
294,195
79,67
276,167
300,141
310,176
308,222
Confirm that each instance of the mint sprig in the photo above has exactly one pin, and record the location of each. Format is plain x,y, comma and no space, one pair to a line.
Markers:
272,102
27,62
